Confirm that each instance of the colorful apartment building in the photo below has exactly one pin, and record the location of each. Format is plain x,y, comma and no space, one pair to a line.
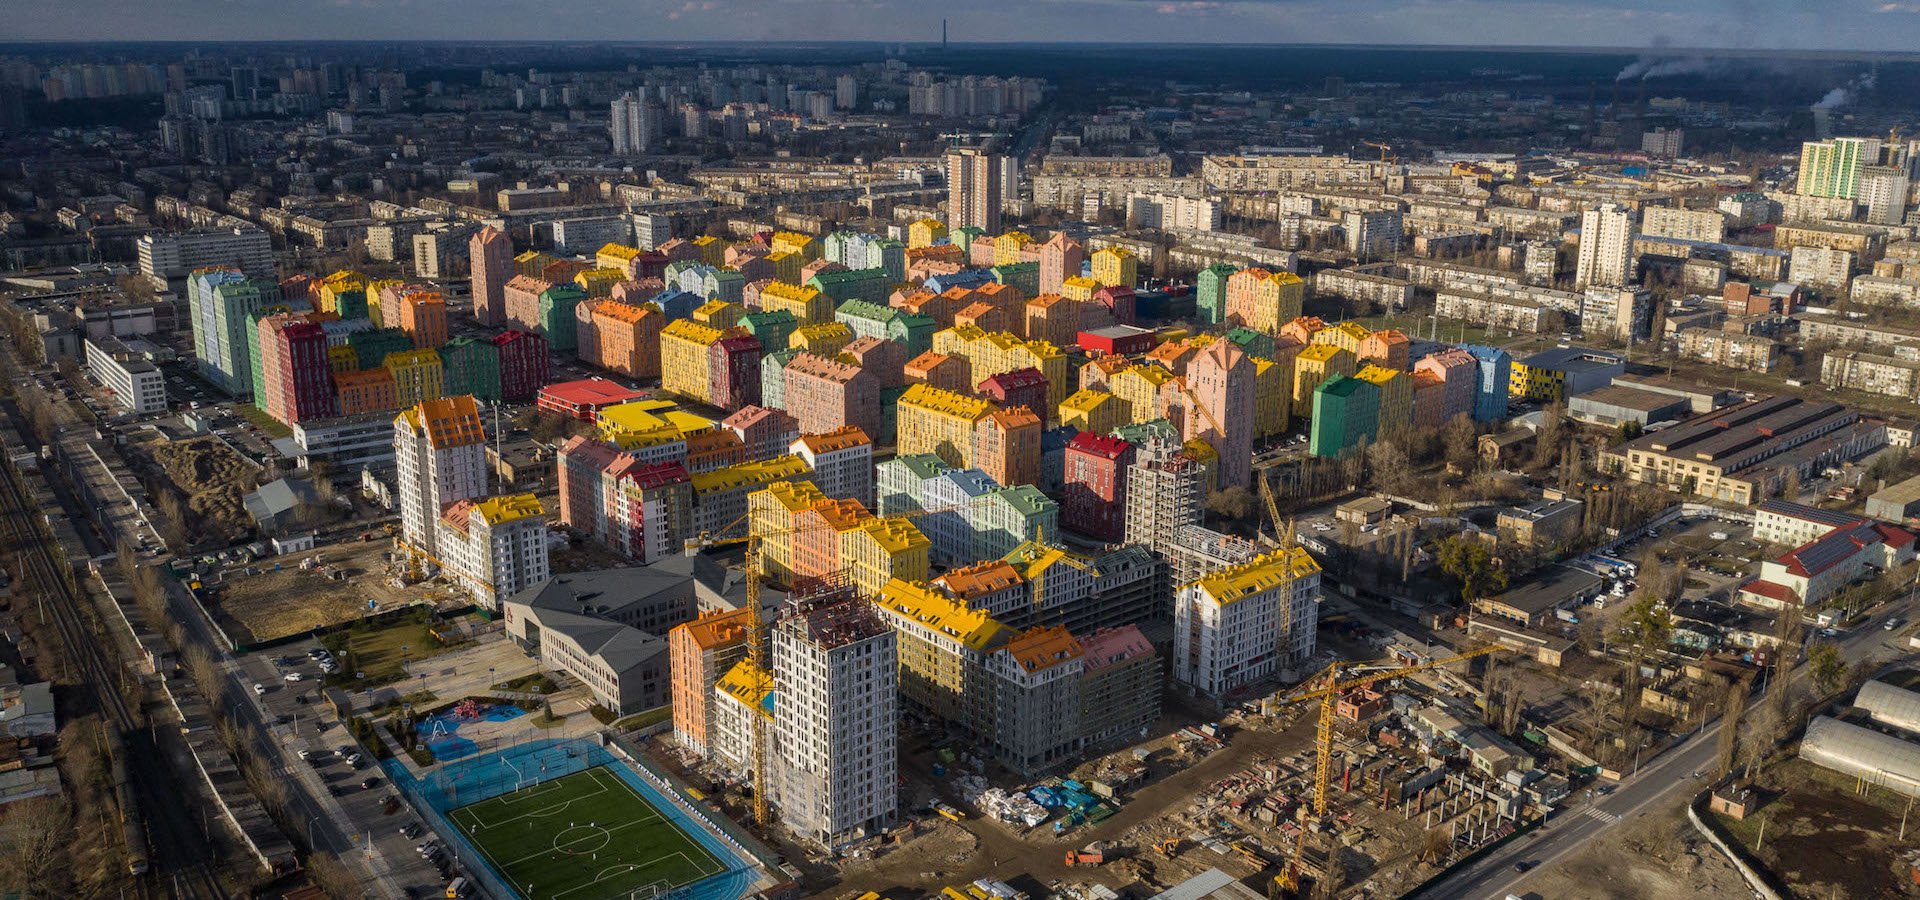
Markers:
826,339
1347,336
720,496
925,233
296,374
1093,500
841,461
685,347
629,337
1079,288
1221,382
439,449
525,363
1395,388
699,653
991,353
1061,257
1210,293
1247,623
490,265
520,299
365,391
881,550
771,515
418,376
825,394
1006,445
1264,300
1315,364
494,548
948,373
1388,348
733,366
1452,373
1116,267
871,284
1346,414
930,420
1094,411
1272,393
1142,389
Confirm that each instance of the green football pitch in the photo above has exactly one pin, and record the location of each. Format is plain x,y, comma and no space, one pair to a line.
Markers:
586,836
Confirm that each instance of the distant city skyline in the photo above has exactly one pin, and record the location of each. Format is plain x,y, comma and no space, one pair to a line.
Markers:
1773,24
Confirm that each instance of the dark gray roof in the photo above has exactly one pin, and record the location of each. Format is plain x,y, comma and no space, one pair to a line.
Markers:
277,498
619,646
605,593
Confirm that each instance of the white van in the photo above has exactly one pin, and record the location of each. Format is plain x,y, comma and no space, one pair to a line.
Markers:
457,888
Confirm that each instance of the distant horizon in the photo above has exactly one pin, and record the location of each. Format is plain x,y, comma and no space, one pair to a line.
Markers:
1626,26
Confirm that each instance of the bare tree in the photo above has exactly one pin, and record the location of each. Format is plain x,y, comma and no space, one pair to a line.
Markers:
1389,465
36,837
1733,708
1461,442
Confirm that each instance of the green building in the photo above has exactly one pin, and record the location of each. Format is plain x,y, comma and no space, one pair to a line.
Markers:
853,284
1346,412
771,329
370,348
351,305
964,237
557,319
1252,342
471,366
258,378
1210,293
1023,275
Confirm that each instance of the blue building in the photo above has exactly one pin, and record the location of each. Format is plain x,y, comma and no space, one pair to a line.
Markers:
1491,384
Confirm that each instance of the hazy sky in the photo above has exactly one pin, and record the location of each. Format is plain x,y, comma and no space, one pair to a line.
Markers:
1788,24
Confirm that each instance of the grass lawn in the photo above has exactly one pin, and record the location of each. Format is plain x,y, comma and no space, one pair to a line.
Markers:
378,653
587,835
272,426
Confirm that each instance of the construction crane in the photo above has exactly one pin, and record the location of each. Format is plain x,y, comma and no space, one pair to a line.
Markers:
1383,148
1329,690
1032,551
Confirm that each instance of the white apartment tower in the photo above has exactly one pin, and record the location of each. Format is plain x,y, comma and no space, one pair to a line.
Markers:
1243,624
974,190
836,676
494,548
439,450
635,125
1606,247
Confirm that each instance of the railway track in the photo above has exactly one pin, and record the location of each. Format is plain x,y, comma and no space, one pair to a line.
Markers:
176,861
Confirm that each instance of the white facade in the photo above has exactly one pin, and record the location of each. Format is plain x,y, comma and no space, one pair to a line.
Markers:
1165,211
1828,271
841,473
836,678
491,560
1606,244
1883,191
589,234
174,255
1709,225
136,384
1243,624
634,125
1373,234
428,478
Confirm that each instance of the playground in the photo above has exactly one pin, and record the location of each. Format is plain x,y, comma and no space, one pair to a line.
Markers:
460,730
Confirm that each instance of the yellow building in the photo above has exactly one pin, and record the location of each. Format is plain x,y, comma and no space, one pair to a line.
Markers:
1079,288
719,314
684,368
826,339
1095,411
1277,299
882,550
770,516
1116,267
807,304
599,282
1010,247
925,233
713,251
616,256
1347,336
786,266
326,297
342,359
930,420
373,301
997,352
635,426
1315,364
805,245
1396,399
1272,397
417,376
1139,388
942,649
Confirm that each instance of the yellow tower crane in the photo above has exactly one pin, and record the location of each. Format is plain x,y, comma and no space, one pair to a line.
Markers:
1035,551
1331,688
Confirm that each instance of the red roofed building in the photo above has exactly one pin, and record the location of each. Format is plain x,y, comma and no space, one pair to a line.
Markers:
1119,302
585,398
525,364
734,367
1093,500
1808,575
1020,387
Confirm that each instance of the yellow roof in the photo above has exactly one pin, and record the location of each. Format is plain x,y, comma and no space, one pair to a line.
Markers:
691,331
744,474
927,397
1262,573
509,508
1378,375
894,534
1085,400
786,291
1320,353
1082,281
1121,252
748,685
1154,375
793,496
1354,330
620,251
1032,561
1200,450
448,421
972,628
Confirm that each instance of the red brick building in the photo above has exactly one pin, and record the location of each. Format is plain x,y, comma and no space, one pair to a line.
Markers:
1093,501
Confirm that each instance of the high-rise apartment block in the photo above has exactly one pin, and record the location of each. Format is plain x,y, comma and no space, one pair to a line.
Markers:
1606,247
493,548
835,724
490,265
1221,381
973,190
439,449
221,302
1831,168
1244,624
635,124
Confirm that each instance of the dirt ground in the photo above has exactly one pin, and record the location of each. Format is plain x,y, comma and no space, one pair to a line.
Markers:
1659,858
213,478
271,604
1817,810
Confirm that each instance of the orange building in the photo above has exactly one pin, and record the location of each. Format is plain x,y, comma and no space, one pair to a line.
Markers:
698,653
1303,329
1388,348
423,315
629,337
366,390
948,373
1052,318
1006,446
984,316
816,535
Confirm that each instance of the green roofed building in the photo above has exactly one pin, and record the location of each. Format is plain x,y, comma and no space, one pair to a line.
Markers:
771,329
472,366
1253,342
1210,293
557,320
1346,412
370,348
853,284
1022,275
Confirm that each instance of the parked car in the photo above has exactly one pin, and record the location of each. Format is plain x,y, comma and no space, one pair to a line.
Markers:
259,690
293,676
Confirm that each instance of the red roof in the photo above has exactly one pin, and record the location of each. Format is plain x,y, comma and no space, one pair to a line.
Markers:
1014,380
591,392
1770,590
1100,445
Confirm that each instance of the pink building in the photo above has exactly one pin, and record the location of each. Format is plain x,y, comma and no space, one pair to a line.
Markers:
1020,387
1119,302
1221,378
1387,348
1061,258
1456,372
733,366
885,359
764,432
1006,446
521,301
825,395
490,262
1093,501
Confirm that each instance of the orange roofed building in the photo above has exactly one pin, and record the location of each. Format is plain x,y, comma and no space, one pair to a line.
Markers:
699,652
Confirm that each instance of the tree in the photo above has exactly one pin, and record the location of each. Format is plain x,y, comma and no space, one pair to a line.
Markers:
36,836
1389,465
1829,671
1461,441
1470,562
1630,429
1234,503
1733,708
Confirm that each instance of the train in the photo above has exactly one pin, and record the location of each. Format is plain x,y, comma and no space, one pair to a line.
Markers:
133,827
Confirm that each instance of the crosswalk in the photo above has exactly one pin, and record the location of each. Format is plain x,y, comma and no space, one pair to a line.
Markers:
1595,812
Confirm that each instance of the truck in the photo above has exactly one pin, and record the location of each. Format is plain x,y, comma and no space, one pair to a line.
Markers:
948,812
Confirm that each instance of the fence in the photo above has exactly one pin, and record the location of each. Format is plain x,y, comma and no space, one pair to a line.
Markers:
474,779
